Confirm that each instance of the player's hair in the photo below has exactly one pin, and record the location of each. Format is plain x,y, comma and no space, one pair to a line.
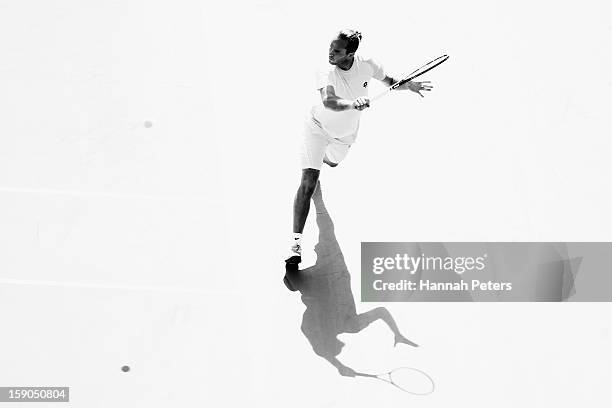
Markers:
352,37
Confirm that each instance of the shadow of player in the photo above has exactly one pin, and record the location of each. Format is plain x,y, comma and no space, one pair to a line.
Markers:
326,292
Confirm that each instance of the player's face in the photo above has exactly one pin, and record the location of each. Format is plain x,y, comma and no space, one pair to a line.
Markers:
337,52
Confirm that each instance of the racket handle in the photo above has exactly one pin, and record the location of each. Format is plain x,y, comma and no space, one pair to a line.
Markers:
357,374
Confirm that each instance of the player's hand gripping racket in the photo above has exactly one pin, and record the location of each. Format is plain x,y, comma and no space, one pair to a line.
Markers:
416,73
410,380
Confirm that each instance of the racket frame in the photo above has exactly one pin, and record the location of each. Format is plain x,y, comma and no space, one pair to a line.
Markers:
414,74
381,377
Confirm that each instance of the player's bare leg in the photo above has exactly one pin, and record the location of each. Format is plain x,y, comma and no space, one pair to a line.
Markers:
301,204
301,207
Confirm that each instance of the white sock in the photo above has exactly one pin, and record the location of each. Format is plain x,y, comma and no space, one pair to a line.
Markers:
297,237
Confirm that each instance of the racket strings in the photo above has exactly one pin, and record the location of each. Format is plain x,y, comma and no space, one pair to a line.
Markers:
405,379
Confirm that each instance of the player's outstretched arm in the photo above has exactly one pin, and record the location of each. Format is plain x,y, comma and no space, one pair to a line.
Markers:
413,86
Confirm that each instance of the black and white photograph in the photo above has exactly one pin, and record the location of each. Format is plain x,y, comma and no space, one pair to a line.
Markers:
316,204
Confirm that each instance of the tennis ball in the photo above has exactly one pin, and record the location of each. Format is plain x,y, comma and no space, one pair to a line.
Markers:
125,369
148,124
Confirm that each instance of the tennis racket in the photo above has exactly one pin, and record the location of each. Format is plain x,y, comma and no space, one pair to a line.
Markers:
410,380
416,73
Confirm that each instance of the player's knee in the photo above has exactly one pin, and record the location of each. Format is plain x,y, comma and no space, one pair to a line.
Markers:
382,311
309,181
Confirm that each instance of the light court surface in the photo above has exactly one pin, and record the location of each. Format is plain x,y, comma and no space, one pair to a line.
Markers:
148,161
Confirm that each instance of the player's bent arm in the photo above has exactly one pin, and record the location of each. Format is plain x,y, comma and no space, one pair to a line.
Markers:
334,102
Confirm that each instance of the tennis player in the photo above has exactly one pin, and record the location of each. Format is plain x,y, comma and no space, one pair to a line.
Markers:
332,126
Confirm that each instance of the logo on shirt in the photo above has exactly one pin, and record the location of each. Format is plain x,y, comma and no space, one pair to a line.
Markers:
365,84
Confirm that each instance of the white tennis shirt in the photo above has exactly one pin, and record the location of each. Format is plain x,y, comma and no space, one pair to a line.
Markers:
349,84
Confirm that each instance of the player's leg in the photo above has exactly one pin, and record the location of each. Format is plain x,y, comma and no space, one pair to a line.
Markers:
313,152
363,320
301,208
301,204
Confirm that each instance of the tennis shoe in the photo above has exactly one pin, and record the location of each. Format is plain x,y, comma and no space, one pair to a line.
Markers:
295,254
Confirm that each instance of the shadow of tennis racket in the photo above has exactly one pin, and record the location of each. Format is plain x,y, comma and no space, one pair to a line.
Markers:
410,380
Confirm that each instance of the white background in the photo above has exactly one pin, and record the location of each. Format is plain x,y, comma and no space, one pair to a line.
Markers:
161,247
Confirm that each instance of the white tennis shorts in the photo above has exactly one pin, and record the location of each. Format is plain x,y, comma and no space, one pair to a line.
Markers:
318,144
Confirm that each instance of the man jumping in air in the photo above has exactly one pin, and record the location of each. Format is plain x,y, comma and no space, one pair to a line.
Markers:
333,125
